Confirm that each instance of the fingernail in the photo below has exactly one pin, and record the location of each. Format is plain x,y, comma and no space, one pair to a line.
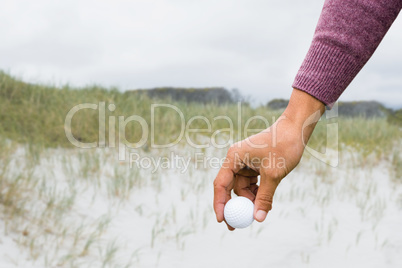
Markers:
261,215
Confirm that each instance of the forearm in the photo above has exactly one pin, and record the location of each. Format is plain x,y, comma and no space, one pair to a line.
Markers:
347,34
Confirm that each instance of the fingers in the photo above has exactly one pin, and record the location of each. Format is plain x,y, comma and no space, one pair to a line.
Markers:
224,181
264,197
223,185
230,228
254,188
247,172
244,186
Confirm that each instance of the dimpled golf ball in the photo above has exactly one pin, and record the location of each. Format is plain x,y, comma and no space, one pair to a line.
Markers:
239,212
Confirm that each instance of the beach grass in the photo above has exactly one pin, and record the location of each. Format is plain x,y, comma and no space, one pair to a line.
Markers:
44,177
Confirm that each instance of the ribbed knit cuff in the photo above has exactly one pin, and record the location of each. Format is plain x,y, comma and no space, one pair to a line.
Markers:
326,72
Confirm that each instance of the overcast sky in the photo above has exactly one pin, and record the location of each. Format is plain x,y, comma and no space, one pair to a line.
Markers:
255,46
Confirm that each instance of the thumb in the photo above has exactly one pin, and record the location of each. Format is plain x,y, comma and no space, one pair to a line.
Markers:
265,196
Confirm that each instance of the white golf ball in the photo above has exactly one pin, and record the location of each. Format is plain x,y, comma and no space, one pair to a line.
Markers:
239,212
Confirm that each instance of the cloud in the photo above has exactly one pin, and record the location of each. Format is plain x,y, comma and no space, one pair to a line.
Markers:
256,46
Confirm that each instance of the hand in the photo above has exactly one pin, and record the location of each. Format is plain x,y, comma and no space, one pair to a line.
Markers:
270,154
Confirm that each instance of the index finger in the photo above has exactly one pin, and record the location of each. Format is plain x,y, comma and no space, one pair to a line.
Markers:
223,185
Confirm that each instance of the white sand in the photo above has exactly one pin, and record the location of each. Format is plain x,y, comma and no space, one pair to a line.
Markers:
349,216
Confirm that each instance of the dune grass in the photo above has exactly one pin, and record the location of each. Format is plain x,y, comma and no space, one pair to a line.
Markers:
33,204
35,114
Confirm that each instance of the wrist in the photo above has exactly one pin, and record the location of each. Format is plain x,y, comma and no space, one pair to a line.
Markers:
304,111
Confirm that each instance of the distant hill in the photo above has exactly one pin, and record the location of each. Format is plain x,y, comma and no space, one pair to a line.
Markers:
367,109
278,104
218,95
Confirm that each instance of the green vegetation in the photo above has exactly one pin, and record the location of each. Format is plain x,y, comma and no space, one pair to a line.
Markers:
42,189
35,114
395,118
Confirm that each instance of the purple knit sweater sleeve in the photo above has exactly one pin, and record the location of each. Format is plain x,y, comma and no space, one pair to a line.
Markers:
347,34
